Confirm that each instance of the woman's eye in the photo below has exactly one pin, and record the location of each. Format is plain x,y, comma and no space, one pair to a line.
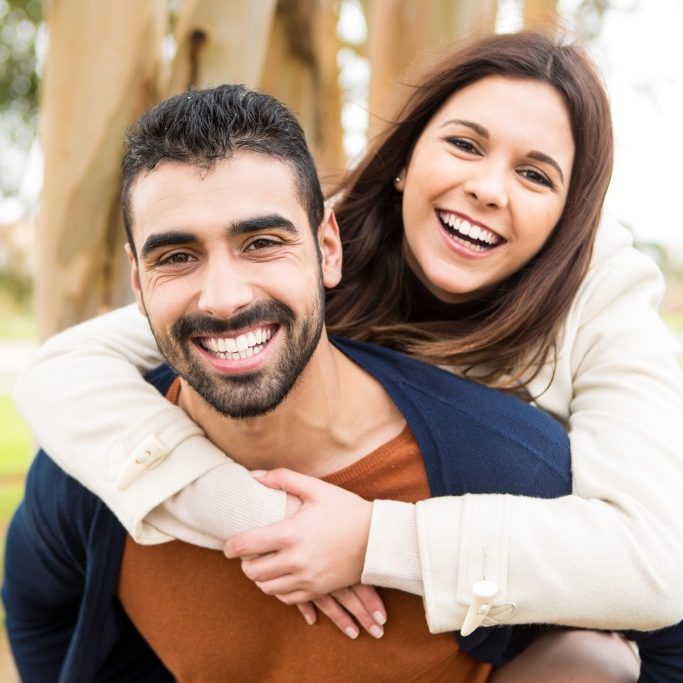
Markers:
464,145
536,177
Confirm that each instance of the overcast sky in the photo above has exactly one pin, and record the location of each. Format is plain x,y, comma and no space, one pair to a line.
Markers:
641,55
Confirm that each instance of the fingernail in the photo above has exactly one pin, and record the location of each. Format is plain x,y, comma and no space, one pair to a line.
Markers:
379,617
376,631
257,474
351,632
310,619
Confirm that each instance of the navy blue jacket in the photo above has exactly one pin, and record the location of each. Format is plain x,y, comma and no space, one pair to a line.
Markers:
64,546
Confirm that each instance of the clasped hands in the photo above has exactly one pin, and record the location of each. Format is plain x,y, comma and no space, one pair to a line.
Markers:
314,557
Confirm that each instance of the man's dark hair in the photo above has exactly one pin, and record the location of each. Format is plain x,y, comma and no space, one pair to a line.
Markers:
200,127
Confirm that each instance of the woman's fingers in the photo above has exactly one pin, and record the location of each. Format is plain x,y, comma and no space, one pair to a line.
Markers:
259,541
346,609
308,612
264,568
352,603
337,615
300,485
372,602
318,550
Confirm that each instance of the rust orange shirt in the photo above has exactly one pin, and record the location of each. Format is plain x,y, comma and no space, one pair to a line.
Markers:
207,622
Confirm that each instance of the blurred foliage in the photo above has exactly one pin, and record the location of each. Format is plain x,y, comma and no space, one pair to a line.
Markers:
20,21
16,287
589,16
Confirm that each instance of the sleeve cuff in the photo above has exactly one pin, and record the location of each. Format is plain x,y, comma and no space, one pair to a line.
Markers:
392,559
439,522
221,503
463,539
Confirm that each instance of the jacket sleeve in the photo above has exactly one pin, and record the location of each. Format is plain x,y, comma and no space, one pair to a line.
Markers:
114,433
610,555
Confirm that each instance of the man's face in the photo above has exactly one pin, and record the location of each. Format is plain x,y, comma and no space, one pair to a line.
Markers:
231,278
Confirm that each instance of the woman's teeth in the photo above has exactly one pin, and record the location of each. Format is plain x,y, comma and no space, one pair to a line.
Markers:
472,236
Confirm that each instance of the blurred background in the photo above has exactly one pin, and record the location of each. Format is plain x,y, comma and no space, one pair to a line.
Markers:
75,73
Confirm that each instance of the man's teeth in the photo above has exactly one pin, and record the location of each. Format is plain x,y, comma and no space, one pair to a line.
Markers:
242,346
466,229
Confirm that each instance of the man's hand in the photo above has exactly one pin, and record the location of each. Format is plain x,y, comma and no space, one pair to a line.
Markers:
321,549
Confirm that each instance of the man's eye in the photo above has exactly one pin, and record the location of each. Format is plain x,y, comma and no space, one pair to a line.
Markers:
464,145
536,177
261,243
177,258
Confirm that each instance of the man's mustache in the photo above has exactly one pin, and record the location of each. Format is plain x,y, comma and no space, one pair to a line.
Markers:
200,324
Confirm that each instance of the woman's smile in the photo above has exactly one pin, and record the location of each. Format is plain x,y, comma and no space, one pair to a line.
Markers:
486,184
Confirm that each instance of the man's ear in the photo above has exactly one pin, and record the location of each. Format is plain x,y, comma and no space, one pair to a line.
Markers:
330,247
135,277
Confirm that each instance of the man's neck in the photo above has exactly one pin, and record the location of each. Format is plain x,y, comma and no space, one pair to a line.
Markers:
335,414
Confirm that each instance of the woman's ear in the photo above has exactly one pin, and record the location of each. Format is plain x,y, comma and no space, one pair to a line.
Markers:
400,180
329,244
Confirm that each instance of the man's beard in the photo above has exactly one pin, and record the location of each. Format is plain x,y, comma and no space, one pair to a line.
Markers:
249,394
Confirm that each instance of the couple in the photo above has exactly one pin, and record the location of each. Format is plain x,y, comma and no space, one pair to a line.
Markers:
230,249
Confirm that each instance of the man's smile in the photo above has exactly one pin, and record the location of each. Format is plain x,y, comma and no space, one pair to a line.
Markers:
238,346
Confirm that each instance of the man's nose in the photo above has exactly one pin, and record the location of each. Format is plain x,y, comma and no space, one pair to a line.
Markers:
226,288
488,185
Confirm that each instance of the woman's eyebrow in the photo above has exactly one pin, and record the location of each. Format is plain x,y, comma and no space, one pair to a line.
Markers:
476,127
540,156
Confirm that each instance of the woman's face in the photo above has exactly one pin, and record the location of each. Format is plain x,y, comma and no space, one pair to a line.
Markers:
486,184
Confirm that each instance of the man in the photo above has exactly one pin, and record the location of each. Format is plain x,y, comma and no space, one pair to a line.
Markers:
230,250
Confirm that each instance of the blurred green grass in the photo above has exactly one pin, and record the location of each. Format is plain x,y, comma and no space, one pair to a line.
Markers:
15,455
675,321
16,451
16,321
15,439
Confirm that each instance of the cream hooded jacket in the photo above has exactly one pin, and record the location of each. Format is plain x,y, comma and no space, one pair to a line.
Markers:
609,556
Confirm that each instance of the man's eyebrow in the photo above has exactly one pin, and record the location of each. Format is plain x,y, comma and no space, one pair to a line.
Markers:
540,156
259,223
476,127
166,239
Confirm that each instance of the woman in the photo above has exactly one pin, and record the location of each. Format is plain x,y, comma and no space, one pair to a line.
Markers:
468,244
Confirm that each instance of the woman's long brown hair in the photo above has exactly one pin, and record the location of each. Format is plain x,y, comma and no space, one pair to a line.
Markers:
511,331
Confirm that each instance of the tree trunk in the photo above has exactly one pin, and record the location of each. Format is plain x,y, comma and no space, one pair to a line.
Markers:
220,41
301,71
404,36
92,89
539,13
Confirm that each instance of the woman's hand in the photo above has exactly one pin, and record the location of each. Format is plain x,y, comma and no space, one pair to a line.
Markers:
314,558
359,601
319,550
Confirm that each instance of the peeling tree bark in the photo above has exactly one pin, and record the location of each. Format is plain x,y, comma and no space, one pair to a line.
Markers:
405,35
539,13
220,41
301,71
101,72
104,68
